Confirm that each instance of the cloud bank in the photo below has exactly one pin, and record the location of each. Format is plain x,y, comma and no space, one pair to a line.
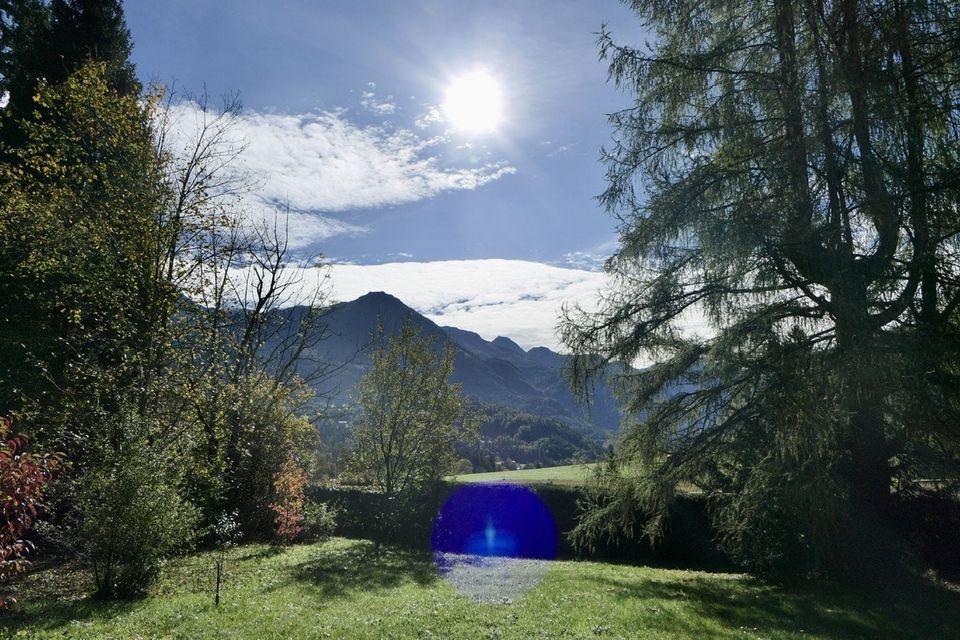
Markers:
514,298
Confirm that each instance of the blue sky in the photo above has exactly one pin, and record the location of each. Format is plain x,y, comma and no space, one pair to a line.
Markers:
344,121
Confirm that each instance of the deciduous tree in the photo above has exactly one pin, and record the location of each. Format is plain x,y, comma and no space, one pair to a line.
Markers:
412,413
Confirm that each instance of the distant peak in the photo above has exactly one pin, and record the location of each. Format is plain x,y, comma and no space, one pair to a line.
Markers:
380,297
462,332
540,350
503,341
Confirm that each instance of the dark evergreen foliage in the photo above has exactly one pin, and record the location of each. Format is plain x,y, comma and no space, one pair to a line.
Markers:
49,41
787,172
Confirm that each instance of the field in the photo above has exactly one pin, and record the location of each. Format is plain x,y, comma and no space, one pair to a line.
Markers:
569,475
353,589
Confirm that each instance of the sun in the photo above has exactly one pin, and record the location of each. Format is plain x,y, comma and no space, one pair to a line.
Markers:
474,102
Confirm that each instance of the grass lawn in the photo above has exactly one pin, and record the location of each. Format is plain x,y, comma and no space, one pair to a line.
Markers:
570,475
352,589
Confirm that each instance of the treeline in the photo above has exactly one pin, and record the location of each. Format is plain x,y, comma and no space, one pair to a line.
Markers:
504,439
135,300
508,438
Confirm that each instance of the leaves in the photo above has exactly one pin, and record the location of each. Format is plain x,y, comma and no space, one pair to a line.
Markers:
23,478
412,414
787,259
288,485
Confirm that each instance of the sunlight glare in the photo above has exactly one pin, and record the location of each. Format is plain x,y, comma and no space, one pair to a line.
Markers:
474,103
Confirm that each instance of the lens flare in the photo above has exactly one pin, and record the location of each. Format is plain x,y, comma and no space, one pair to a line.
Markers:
494,542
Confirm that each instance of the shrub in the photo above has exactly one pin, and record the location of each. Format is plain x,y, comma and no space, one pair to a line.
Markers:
289,484
132,515
226,530
463,466
265,432
23,478
319,520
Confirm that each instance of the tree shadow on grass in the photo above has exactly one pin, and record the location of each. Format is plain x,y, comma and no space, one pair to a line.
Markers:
52,615
834,611
364,566
52,598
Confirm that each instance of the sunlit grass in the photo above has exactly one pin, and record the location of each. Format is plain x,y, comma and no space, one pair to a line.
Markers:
354,589
569,475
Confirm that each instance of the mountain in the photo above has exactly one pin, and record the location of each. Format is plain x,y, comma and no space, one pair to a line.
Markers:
497,373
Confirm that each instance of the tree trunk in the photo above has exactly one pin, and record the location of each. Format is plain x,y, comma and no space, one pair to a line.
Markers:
868,467
866,464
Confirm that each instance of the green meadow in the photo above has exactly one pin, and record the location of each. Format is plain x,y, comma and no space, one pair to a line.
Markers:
355,589
568,475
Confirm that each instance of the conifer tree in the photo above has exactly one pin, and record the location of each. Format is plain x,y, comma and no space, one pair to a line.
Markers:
47,42
786,173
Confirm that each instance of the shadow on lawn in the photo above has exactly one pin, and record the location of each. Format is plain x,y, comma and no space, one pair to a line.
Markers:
903,611
364,566
54,614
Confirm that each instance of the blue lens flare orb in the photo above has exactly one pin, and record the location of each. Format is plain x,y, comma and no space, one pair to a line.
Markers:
494,542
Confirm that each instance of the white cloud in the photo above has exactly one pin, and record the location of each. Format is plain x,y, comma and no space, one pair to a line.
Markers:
303,228
369,101
324,163
430,118
319,164
587,260
513,298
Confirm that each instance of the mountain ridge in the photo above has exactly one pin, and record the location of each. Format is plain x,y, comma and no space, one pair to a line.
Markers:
496,372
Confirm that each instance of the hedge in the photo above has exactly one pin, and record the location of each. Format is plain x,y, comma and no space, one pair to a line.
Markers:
409,522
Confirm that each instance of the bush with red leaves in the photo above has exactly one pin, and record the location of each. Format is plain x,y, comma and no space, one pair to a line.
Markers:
289,484
23,478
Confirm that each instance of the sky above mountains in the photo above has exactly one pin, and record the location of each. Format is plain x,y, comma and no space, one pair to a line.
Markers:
349,120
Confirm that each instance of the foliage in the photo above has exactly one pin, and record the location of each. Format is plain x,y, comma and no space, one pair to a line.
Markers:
132,513
83,30
363,512
50,41
76,239
288,485
139,309
23,478
319,520
261,433
110,240
462,466
241,367
412,414
351,589
527,439
335,427
784,179
226,530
